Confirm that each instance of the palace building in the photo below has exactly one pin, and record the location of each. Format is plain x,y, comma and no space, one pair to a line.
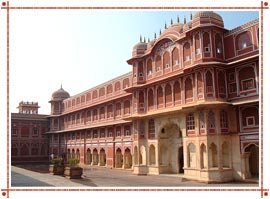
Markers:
190,105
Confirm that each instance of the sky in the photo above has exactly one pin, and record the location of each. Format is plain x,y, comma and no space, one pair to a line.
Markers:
80,49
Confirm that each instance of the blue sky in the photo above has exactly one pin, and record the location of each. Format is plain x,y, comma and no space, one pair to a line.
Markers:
53,47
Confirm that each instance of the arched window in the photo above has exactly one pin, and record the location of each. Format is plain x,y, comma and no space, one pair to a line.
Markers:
109,89
117,109
206,42
243,40
177,93
175,56
152,155
158,63
188,89
225,155
186,52
218,44
141,101
197,44
126,107
221,84
101,92
125,83
95,94
223,119
213,155
201,122
203,156
166,60
190,121
117,86
109,111
199,85
95,115
191,158
168,94
160,97
150,100
127,130
88,97
102,113
209,84
211,121
149,67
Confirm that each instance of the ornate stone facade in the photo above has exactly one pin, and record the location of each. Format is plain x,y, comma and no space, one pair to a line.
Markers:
190,106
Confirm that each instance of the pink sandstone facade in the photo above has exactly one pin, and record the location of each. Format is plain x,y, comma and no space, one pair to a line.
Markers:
190,105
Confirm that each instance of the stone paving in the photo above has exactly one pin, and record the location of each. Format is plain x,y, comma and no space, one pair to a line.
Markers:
104,177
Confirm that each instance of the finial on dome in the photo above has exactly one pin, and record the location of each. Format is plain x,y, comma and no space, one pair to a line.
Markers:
165,26
171,21
190,16
148,40
160,32
140,38
185,20
178,19
144,40
155,35
61,87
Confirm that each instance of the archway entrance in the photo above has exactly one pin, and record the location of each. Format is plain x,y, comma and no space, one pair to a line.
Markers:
253,159
118,158
170,149
127,158
181,159
102,157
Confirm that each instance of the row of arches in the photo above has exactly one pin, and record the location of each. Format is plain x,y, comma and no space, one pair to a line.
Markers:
209,156
95,114
123,159
185,90
98,93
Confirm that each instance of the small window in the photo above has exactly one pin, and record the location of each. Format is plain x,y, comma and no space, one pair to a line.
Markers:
158,68
176,62
187,58
35,131
250,121
244,44
149,72
219,51
127,133
247,84
198,51
135,75
167,66
141,74
207,49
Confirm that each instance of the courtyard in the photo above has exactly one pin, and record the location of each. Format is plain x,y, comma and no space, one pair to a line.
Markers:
93,176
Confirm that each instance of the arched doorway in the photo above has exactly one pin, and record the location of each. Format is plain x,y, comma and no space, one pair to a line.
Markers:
181,159
88,156
253,151
170,152
102,157
128,158
95,157
118,158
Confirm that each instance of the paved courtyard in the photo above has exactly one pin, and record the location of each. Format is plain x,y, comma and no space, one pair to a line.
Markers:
38,176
